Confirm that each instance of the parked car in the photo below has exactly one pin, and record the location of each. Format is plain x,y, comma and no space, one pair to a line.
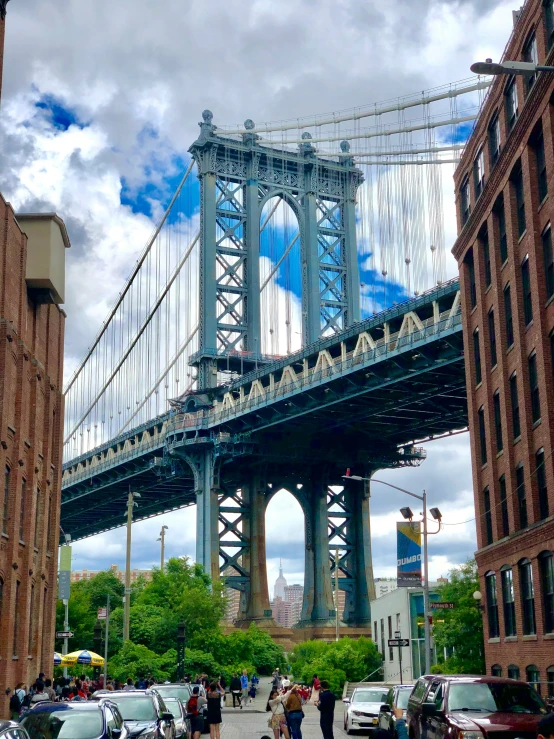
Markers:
144,713
182,724
362,708
12,730
78,720
183,691
473,707
397,697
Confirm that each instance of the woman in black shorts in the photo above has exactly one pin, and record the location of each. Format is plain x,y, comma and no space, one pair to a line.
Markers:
214,709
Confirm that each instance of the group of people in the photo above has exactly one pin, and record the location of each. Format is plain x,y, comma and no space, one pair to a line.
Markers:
243,688
286,701
43,689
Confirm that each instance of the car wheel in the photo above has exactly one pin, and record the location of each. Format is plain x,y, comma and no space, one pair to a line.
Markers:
348,729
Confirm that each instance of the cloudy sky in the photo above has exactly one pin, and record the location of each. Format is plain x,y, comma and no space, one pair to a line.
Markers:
100,103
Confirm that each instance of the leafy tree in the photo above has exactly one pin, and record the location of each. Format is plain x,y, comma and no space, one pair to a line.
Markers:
134,660
460,631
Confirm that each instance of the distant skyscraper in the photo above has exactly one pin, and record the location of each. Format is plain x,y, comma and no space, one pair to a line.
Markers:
280,584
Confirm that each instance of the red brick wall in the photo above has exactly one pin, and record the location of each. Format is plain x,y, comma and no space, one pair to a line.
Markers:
31,413
515,147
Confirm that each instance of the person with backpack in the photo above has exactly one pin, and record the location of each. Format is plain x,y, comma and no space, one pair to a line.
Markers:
194,712
316,687
16,701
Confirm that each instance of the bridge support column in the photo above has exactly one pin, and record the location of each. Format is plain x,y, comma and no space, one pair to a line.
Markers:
318,608
207,514
352,278
255,605
357,611
311,301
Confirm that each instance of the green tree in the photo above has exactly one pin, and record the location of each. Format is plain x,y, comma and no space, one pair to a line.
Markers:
460,631
135,660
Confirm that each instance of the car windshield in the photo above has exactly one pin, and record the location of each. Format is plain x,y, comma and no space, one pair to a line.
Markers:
402,698
369,696
135,707
494,697
174,691
68,724
173,706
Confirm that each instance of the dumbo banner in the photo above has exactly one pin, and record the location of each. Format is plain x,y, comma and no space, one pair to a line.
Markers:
408,545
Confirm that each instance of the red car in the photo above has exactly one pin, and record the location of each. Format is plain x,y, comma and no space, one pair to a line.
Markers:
473,707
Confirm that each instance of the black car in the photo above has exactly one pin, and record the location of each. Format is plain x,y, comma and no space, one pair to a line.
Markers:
78,720
397,697
144,712
12,730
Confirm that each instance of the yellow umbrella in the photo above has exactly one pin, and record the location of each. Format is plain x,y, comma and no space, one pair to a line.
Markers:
82,657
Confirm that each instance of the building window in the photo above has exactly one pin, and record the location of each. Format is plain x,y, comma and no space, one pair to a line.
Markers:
500,215
537,143
550,681
383,637
494,140
546,565
465,200
526,287
22,511
16,625
534,386
530,55
511,103
47,528
375,632
492,605
31,620
477,357
484,241
37,517
509,316
533,677
548,6
521,499
496,671
391,649
527,597
488,515
541,484
516,428
482,434
517,182
504,507
497,421
471,277
513,672
548,261
479,173
508,602
6,506
492,338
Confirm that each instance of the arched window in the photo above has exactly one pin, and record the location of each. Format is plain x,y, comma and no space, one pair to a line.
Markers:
513,672
527,596
508,602
546,566
533,676
550,681
492,605
496,671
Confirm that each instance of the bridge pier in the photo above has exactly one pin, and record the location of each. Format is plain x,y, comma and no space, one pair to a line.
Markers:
207,511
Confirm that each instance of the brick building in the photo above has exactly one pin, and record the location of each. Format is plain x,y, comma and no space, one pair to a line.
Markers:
77,575
32,254
505,207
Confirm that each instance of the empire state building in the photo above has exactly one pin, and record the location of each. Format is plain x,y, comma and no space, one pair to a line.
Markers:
280,584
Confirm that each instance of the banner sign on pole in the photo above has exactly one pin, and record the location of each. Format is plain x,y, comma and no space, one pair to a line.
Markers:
64,574
408,543
102,613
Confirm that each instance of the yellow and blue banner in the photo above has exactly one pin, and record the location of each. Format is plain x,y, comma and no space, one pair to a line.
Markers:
408,548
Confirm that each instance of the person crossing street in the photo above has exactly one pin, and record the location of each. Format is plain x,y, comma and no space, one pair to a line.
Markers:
244,688
326,707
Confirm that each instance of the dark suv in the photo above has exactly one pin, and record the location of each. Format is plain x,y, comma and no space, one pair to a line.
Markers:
144,713
467,707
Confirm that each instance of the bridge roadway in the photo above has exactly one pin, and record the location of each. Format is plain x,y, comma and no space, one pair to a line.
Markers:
357,398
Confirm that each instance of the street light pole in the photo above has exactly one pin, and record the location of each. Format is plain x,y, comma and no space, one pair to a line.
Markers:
107,627
162,539
507,67
337,555
127,606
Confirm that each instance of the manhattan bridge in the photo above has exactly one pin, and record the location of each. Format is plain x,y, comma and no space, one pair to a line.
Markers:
288,318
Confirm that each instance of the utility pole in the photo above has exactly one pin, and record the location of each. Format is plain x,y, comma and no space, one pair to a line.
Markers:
337,555
106,642
162,539
426,610
398,635
127,606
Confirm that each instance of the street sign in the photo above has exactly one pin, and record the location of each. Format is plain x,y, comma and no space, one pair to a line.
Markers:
64,635
102,613
399,642
442,606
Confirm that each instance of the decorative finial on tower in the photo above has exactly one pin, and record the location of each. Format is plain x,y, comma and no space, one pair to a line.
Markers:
250,137
249,124
345,147
206,127
3,4
306,148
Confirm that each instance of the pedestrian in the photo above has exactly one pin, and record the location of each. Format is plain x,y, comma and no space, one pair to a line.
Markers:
129,685
214,709
235,689
277,721
286,682
16,701
49,689
276,679
40,694
326,708
293,704
194,712
223,684
244,687
316,686
141,685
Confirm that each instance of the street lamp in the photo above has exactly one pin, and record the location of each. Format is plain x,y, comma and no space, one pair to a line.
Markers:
162,539
181,639
127,605
478,598
408,514
492,68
